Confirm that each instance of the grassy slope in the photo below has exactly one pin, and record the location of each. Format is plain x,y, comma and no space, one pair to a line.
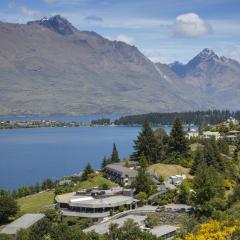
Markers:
166,170
94,182
35,203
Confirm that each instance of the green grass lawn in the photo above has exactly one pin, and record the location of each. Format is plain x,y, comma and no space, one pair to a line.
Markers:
35,203
94,182
167,170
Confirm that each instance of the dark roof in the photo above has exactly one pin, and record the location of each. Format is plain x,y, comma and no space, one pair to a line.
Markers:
119,168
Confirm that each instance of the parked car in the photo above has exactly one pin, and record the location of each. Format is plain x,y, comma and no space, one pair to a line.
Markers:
160,209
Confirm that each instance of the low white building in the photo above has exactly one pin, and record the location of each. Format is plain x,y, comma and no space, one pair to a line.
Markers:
176,180
209,134
232,120
95,205
192,133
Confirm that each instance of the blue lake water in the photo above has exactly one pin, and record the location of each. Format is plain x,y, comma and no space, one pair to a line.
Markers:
28,156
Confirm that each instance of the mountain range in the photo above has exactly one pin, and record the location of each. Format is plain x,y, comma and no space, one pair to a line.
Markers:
50,67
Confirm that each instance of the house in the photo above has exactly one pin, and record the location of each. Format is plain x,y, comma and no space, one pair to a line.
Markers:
96,204
176,180
120,174
235,133
24,222
231,120
232,136
209,134
192,133
164,231
64,182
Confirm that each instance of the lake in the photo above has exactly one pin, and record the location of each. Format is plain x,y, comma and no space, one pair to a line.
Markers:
28,156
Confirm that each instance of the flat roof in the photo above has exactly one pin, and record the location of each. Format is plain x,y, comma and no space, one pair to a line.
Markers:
77,200
112,201
102,228
25,221
162,230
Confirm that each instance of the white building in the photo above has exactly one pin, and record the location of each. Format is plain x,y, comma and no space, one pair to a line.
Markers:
95,205
232,120
192,133
209,134
176,180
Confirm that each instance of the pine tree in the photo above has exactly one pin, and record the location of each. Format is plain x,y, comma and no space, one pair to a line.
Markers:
145,144
115,157
88,170
223,146
198,160
177,142
143,182
236,150
212,154
162,143
207,185
235,155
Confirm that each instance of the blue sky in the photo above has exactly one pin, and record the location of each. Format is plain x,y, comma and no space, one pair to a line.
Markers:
164,30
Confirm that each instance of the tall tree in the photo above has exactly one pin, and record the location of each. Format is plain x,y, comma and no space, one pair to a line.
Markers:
198,159
236,150
8,206
143,182
212,154
177,142
162,143
146,144
87,170
223,146
115,157
207,185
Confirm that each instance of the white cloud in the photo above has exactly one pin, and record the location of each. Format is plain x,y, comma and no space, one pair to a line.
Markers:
26,11
190,25
122,38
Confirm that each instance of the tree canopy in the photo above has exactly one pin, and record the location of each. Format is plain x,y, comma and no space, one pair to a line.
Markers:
146,144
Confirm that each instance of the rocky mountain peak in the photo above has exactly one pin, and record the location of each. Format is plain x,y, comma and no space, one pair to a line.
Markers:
58,24
206,54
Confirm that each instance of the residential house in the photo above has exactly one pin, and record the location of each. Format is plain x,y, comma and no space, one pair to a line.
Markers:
120,174
209,134
192,133
176,180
